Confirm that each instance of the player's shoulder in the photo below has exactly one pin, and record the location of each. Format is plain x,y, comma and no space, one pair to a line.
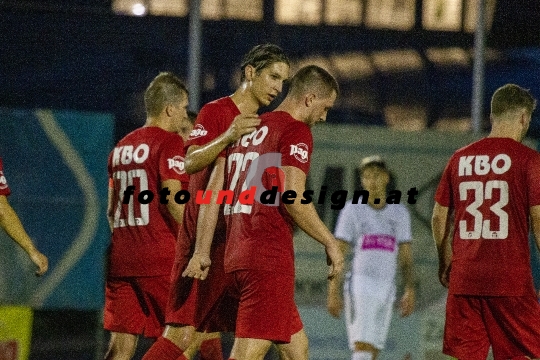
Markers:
218,105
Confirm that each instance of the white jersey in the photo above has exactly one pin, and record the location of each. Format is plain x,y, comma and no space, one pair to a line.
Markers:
375,236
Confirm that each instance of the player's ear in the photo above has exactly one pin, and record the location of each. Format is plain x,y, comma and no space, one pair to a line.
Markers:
249,72
169,110
309,98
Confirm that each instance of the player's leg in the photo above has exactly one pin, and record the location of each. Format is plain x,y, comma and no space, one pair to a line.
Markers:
125,316
368,312
171,345
297,349
249,349
364,351
465,334
122,346
513,326
208,345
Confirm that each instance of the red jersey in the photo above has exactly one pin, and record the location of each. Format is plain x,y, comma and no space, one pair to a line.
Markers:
260,236
144,235
213,120
4,188
491,184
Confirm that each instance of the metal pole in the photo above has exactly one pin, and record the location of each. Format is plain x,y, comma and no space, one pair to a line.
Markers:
478,69
194,62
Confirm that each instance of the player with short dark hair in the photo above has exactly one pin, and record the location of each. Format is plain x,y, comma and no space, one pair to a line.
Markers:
206,306
259,249
10,222
146,163
492,189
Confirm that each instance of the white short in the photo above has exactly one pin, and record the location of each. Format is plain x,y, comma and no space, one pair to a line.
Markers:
368,310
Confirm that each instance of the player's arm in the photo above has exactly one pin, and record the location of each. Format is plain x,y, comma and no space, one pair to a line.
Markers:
10,222
200,156
307,219
199,264
405,258
440,227
175,209
334,302
535,222
110,208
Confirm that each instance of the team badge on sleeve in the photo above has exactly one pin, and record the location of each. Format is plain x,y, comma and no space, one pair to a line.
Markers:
300,152
177,164
3,181
198,131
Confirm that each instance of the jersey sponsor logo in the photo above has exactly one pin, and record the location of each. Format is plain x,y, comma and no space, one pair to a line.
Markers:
482,165
177,164
300,152
197,132
381,242
3,181
127,154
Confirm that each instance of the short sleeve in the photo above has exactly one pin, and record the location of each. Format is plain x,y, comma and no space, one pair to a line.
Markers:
171,160
211,122
296,145
346,224
404,232
533,179
443,195
4,187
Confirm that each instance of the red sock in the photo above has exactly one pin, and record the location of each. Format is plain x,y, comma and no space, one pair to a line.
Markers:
164,349
211,349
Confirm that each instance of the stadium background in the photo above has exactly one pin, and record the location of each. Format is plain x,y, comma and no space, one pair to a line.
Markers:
406,95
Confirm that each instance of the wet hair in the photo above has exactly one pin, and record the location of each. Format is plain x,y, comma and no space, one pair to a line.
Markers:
313,78
165,89
262,56
511,97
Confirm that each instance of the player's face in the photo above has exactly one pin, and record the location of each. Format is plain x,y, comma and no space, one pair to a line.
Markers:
320,108
374,179
268,82
185,129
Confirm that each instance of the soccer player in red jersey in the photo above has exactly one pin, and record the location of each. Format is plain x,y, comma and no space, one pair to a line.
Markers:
147,163
10,222
259,249
205,306
491,188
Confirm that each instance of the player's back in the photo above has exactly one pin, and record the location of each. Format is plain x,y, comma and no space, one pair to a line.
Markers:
493,183
144,231
264,231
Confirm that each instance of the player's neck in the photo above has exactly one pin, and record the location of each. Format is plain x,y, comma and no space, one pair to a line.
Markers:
244,100
159,123
291,107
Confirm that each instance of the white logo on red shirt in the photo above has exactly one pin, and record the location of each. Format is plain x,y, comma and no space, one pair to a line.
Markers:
177,164
300,152
3,181
198,131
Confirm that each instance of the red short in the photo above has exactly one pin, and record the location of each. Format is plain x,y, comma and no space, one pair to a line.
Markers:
136,305
509,323
267,309
208,305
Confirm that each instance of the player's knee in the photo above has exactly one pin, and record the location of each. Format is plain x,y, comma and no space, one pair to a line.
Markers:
181,336
121,347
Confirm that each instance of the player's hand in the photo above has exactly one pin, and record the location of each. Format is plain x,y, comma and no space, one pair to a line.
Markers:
334,305
444,274
406,304
241,125
41,262
198,266
334,259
